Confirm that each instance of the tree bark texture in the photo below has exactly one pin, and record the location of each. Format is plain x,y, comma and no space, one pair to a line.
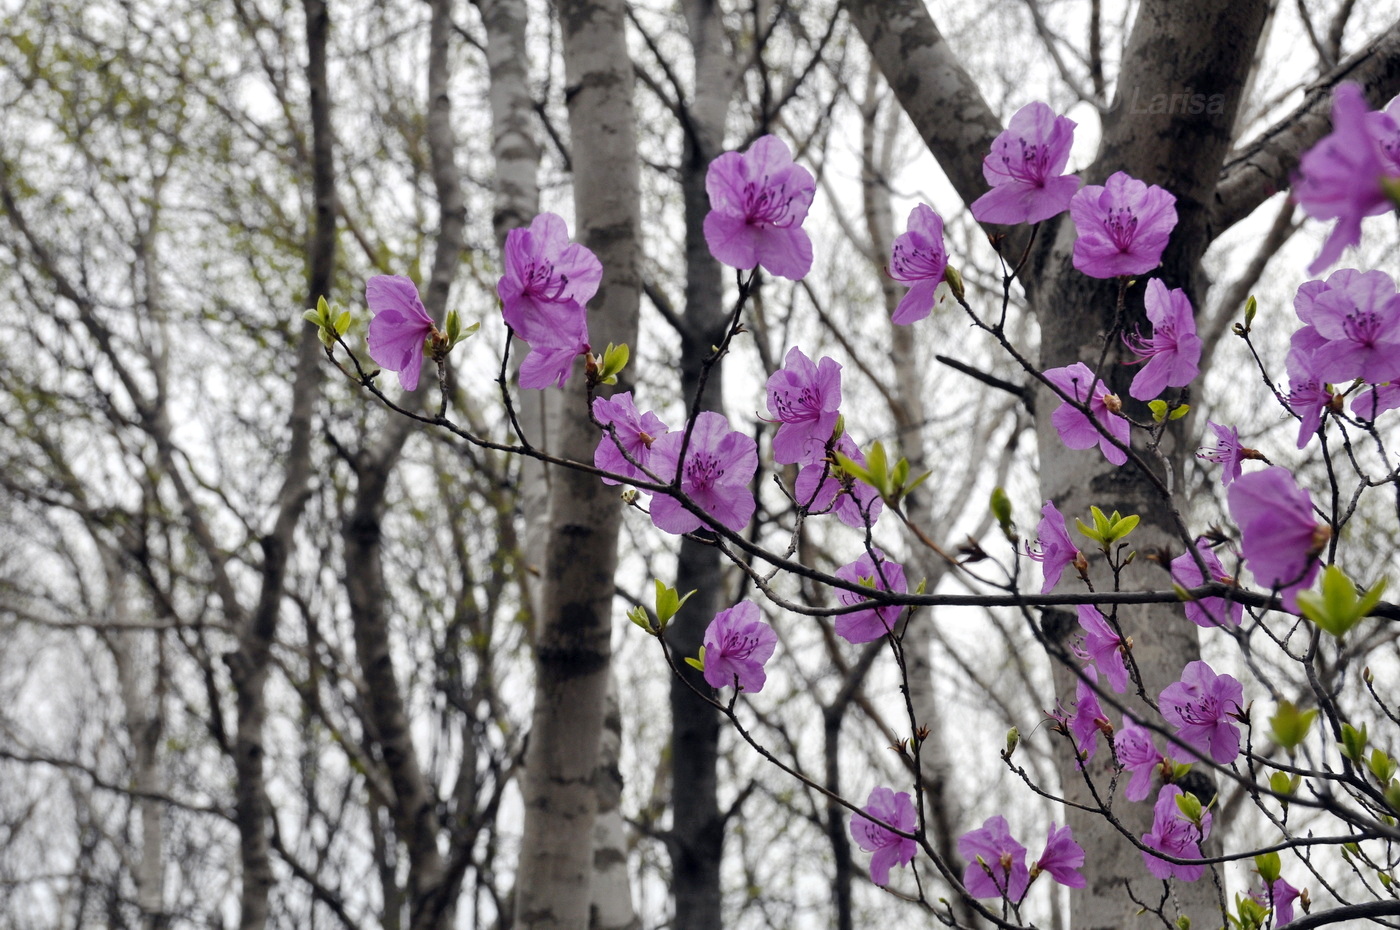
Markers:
572,644
697,826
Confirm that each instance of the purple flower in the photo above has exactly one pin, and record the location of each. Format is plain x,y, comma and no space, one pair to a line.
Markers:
1371,403
1353,326
1088,720
547,281
1227,451
1308,395
1176,836
862,626
719,464
1062,858
1025,169
1201,707
1208,611
1076,430
737,644
1173,352
890,849
1340,177
1279,535
855,503
1137,754
804,398
758,201
996,863
1103,647
1278,896
1054,550
400,327
634,433
1123,227
919,260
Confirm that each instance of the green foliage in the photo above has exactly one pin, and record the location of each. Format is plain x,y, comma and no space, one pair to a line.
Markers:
1107,530
1290,726
1354,742
1336,607
892,483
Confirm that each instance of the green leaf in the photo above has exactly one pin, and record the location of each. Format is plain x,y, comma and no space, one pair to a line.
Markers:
1285,784
1251,307
668,603
342,323
1381,766
1159,410
638,615
1335,607
614,360
1190,806
1269,866
1354,742
1001,508
1180,411
1290,725
311,316
697,663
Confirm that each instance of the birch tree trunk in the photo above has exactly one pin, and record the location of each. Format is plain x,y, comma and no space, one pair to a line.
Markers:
572,644
697,826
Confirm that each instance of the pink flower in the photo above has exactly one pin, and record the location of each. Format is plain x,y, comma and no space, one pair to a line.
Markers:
719,464
919,260
737,644
1076,430
1054,549
1279,535
1201,706
855,503
1208,611
1173,351
863,626
758,201
1278,897
1353,326
1123,227
1371,403
1176,836
1025,169
635,432
890,849
804,399
547,281
1138,755
400,327
996,863
1103,647
1062,858
1308,395
1227,451
1340,177
1089,719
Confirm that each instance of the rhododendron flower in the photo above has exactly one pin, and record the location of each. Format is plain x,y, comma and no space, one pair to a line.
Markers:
1207,611
635,432
1054,549
400,328
1062,858
854,503
804,398
1088,719
1353,326
758,201
737,644
1123,226
1279,897
1308,395
1138,755
1371,403
1026,169
918,259
719,464
862,626
1340,177
996,863
1227,451
1279,534
1201,706
547,281
1076,430
1176,836
1173,352
890,849
1103,647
